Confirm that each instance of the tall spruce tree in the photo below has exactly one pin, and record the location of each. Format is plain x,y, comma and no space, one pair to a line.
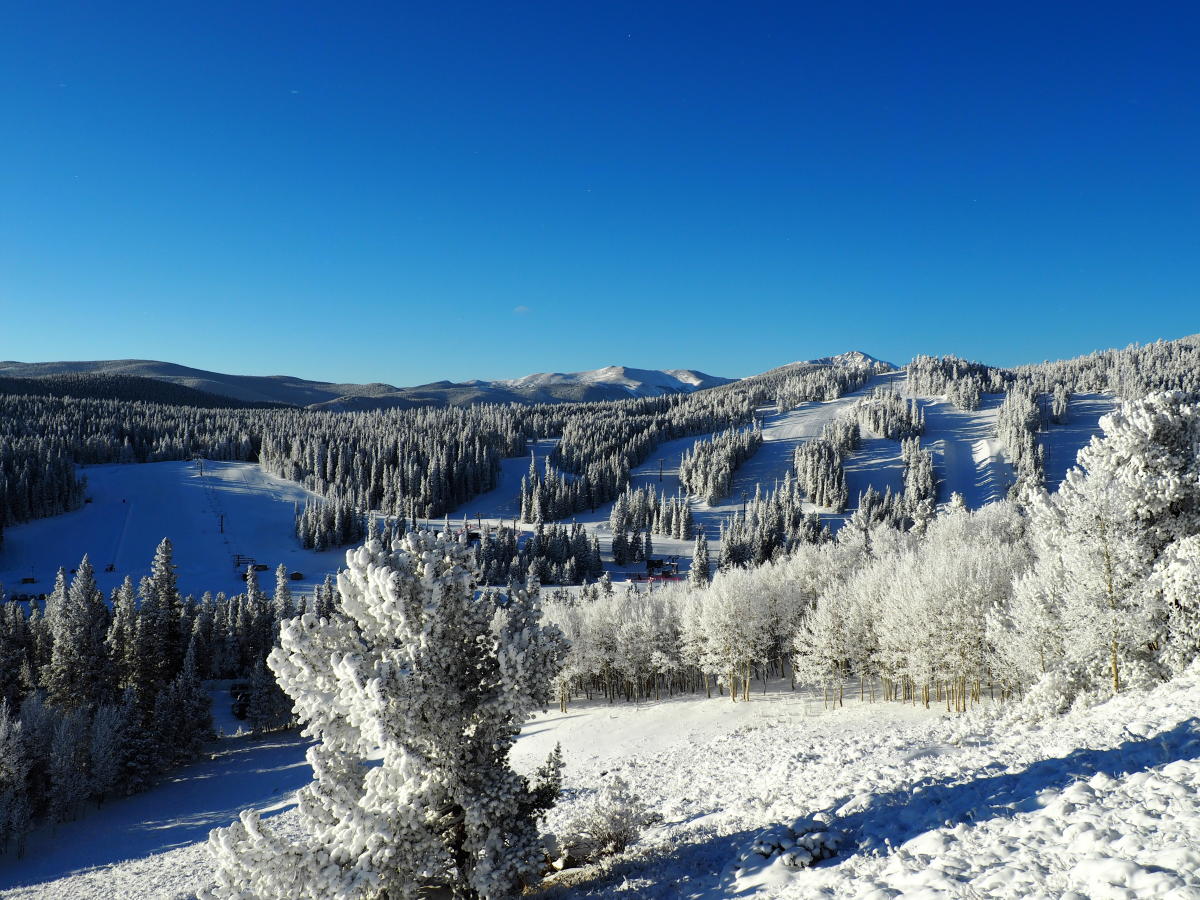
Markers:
79,675
434,681
699,574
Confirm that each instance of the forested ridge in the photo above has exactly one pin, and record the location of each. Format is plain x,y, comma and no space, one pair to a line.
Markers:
1047,600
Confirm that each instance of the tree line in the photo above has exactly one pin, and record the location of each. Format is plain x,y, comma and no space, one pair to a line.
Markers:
97,698
706,470
1052,598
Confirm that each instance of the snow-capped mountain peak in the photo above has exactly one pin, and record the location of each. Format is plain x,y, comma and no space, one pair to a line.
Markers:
635,382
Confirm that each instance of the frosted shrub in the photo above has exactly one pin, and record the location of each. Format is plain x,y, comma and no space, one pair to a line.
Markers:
803,843
612,822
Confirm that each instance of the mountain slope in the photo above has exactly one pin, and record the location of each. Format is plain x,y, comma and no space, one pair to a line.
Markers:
104,386
251,388
610,383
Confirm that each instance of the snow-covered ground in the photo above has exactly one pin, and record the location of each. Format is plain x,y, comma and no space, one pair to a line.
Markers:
231,508
1064,441
968,459
237,508
151,845
1103,802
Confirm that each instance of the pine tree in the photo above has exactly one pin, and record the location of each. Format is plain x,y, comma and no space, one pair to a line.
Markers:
68,764
269,708
699,575
15,808
78,676
406,676
108,748
284,604
620,548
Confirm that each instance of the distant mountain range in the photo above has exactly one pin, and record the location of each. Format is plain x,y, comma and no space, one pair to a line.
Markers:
609,383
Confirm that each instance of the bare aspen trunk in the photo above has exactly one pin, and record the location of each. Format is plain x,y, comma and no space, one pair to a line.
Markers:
1110,588
1116,672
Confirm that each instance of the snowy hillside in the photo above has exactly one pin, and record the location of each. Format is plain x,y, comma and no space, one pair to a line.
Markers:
1103,802
968,459
134,506
251,388
230,509
781,794
850,359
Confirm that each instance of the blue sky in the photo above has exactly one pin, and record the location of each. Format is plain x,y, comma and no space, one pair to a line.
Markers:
409,192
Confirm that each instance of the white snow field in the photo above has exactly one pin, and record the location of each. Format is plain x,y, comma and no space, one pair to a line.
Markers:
1101,803
135,506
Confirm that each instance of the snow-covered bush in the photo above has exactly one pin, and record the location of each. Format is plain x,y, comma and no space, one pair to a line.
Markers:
803,843
416,692
1177,575
613,821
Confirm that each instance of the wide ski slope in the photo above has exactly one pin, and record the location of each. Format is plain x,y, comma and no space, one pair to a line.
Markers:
225,510
211,515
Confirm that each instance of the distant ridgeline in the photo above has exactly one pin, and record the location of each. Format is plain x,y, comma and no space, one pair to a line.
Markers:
425,462
131,388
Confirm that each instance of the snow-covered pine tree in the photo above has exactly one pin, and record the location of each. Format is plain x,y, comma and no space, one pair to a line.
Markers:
107,748
284,603
79,675
15,808
1104,540
433,680
699,575
1177,576
68,764
269,708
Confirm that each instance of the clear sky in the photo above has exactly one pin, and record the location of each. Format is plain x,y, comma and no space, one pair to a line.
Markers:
406,192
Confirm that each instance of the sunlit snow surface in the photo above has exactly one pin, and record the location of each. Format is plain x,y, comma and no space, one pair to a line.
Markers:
232,508
890,776
1103,802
